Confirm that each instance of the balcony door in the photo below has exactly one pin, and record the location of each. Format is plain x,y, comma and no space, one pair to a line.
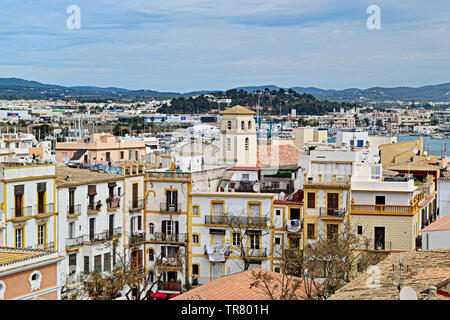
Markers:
91,228
171,200
135,195
332,231
111,224
379,238
332,203
217,270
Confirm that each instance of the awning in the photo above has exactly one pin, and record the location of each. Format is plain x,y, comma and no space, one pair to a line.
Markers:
217,231
18,190
41,187
158,295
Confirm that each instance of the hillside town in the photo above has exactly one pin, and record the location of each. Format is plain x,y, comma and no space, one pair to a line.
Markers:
118,201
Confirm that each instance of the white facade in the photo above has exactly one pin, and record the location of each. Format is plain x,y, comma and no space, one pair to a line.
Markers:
432,240
357,139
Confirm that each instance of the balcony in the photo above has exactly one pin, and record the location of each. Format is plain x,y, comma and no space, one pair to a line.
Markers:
170,207
23,212
113,203
332,213
136,204
45,209
383,209
74,278
106,235
74,209
74,242
294,226
94,207
136,238
256,253
169,262
170,285
237,220
225,249
165,237
169,176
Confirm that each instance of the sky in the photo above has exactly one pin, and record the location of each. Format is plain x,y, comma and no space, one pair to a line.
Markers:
187,45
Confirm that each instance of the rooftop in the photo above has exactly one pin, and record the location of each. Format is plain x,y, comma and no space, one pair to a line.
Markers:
421,270
441,224
239,110
67,176
282,155
233,287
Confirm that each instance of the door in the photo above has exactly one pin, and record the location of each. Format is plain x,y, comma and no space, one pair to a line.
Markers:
332,203
379,238
217,270
135,195
91,228
172,198
380,201
111,225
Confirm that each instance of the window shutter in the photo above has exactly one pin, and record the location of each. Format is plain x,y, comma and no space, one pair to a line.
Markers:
176,227
92,190
41,187
132,225
139,223
19,190
163,252
164,226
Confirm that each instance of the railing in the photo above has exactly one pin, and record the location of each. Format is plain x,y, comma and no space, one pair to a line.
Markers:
379,208
94,207
170,207
75,209
23,212
173,237
325,212
170,285
113,203
74,242
136,204
47,208
237,220
76,277
382,245
257,253
179,176
136,238
169,262
106,235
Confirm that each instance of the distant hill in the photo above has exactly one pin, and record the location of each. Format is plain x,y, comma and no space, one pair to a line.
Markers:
14,88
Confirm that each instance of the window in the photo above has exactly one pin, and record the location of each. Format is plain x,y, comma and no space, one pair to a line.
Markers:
236,239
98,263
229,125
18,200
72,263
121,154
380,200
151,254
196,210
311,200
195,269
151,228
2,289
35,280
108,156
250,124
254,241
71,231
246,143
218,209
195,239
278,212
41,187
311,231
255,210
277,269
245,176
294,213
19,237
242,125
41,235
359,229
332,231
277,241
228,144
107,261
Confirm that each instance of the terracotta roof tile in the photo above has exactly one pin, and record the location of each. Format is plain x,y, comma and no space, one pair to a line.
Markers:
440,224
273,156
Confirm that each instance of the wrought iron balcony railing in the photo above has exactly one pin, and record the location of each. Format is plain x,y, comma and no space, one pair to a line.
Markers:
170,207
136,204
75,209
237,220
173,237
136,238
43,209
23,212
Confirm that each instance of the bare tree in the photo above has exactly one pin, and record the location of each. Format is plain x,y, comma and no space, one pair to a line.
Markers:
249,232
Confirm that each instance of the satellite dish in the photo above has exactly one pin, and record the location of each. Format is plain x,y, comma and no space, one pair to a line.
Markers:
415,150
255,187
282,195
407,293
425,153
65,160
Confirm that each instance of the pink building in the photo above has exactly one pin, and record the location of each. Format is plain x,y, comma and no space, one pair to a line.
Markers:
100,148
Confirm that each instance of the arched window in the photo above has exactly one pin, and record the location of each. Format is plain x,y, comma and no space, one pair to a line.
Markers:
228,144
229,125
246,143
35,280
242,125
151,254
151,228
250,124
2,289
